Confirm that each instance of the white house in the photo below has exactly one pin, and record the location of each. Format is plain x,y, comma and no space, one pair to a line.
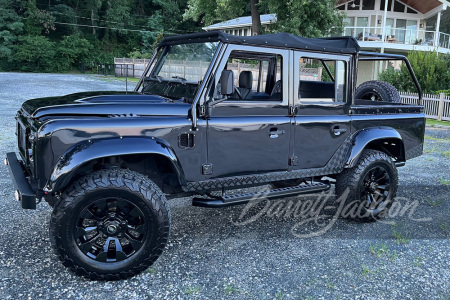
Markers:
391,26
241,26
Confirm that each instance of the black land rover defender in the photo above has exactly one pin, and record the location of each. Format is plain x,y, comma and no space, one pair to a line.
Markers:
212,112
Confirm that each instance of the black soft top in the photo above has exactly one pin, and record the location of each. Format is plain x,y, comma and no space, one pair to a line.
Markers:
346,44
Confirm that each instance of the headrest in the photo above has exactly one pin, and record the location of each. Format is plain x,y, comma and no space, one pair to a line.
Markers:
246,80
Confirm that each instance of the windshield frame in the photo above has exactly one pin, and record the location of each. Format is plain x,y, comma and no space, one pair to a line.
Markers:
159,59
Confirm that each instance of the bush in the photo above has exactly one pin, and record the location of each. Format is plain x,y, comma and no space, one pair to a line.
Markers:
446,92
431,69
72,50
35,54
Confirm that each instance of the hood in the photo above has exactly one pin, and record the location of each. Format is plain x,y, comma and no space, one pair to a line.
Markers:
105,104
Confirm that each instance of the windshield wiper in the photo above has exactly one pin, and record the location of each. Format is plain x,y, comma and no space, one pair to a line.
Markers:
181,79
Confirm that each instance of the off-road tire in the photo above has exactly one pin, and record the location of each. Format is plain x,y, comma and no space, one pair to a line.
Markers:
138,191
378,91
354,180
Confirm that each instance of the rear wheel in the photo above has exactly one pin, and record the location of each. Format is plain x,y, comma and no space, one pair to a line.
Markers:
372,186
378,91
111,224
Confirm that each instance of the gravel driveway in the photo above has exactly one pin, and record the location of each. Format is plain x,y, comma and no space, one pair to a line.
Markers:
223,253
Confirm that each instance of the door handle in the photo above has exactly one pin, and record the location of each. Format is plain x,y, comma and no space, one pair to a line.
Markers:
274,133
338,130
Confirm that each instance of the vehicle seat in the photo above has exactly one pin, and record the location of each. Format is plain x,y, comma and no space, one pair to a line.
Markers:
276,91
245,84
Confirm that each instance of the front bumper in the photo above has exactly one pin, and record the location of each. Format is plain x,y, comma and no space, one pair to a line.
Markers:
24,192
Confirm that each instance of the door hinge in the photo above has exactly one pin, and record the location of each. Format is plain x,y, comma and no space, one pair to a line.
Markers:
293,161
207,169
293,110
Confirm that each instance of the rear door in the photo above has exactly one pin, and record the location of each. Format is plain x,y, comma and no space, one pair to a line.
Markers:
322,100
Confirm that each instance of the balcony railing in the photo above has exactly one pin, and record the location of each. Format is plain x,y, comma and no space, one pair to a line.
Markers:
444,40
398,36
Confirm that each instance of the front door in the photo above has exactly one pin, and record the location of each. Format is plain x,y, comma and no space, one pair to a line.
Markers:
322,123
249,132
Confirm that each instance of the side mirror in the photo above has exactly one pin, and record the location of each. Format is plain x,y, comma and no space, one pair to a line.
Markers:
226,82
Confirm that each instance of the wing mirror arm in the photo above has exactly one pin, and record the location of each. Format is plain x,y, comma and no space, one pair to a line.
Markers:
226,84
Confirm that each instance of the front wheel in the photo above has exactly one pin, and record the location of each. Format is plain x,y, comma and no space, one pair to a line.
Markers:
369,187
111,224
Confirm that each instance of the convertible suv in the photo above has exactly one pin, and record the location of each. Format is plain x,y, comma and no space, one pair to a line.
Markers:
212,112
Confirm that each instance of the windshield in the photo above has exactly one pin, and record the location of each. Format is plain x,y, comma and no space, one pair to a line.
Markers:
179,70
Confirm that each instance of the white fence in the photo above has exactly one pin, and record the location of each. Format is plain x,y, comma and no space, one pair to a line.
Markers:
435,106
132,67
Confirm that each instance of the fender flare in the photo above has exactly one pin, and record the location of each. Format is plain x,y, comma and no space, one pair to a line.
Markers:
363,137
79,154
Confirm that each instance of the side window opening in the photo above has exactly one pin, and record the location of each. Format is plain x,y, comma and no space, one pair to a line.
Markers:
322,80
381,82
257,76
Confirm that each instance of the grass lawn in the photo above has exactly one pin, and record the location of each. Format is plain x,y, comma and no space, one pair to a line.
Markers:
130,79
433,122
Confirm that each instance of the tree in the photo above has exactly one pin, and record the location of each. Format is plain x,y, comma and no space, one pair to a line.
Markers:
11,27
36,20
212,11
58,35
35,54
71,50
93,6
256,17
308,18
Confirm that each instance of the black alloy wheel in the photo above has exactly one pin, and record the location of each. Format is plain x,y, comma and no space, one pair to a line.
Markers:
375,189
110,230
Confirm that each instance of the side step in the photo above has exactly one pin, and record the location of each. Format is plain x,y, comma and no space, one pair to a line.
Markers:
229,200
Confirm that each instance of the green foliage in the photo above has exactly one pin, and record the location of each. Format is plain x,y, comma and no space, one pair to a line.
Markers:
212,11
446,92
432,71
58,36
11,27
72,50
35,54
36,20
136,53
308,18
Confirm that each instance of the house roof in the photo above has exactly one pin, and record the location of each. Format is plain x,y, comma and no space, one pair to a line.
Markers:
241,21
423,6
284,40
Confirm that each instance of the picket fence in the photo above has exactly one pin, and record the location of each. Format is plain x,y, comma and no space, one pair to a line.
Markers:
435,106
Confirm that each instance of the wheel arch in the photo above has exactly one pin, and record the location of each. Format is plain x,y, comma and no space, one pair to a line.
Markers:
384,139
132,152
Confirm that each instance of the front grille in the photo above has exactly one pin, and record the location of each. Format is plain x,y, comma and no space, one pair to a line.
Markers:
20,137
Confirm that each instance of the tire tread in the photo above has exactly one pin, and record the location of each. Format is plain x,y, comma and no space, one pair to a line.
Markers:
119,178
